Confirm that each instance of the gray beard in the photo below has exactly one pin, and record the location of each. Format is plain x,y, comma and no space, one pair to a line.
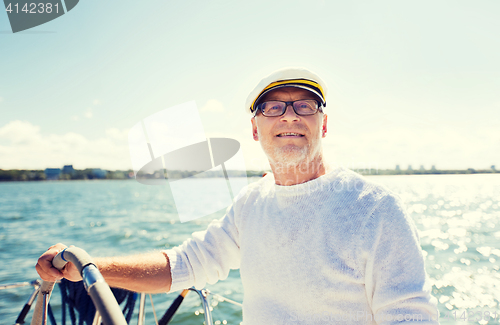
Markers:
289,157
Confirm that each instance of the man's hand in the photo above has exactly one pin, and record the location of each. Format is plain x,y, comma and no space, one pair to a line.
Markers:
147,272
49,273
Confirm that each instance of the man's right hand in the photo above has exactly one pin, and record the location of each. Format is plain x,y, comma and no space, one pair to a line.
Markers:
49,273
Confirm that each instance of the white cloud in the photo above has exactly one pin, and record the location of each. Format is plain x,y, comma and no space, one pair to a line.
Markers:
1,99
23,146
213,105
88,113
96,102
19,132
117,134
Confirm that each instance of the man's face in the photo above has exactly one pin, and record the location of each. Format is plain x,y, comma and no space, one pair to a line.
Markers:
271,131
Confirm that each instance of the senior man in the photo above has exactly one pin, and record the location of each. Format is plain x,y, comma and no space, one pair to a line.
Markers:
314,245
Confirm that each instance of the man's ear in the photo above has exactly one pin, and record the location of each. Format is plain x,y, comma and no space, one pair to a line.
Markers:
324,127
254,129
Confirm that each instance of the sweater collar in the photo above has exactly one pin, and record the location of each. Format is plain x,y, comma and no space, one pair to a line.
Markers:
306,187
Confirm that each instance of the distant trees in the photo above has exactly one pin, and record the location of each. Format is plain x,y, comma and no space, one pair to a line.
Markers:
89,173
39,175
22,175
14,175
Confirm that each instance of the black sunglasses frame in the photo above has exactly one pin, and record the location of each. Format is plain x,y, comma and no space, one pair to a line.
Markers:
259,108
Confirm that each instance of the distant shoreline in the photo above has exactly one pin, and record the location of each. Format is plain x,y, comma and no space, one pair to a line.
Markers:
20,175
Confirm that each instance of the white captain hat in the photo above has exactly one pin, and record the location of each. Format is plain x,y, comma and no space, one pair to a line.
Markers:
287,77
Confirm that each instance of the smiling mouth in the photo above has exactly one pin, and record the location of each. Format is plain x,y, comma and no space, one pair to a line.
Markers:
289,134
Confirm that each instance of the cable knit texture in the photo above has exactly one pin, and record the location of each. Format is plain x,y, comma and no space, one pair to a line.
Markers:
335,250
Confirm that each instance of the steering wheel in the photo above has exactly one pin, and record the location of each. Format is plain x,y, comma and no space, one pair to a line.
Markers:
94,283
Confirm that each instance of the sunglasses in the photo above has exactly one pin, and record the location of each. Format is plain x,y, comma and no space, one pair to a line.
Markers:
301,107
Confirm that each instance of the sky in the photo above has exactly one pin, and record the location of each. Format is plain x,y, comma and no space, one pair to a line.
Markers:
409,83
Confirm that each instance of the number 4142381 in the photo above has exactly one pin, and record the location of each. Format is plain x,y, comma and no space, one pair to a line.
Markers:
33,8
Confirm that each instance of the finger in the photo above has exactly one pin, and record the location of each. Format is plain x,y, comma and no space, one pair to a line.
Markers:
44,264
52,252
47,276
71,273
58,246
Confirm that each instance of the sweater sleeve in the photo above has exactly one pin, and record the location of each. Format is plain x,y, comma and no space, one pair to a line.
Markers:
396,283
206,257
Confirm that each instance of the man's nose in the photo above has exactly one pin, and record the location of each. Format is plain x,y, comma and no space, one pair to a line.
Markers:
290,115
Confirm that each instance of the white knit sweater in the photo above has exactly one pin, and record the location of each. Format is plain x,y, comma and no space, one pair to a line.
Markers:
335,250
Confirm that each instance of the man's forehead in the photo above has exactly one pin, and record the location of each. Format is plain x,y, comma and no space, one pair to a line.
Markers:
286,91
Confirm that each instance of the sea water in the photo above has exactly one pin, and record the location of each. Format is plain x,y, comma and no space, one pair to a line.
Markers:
457,217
